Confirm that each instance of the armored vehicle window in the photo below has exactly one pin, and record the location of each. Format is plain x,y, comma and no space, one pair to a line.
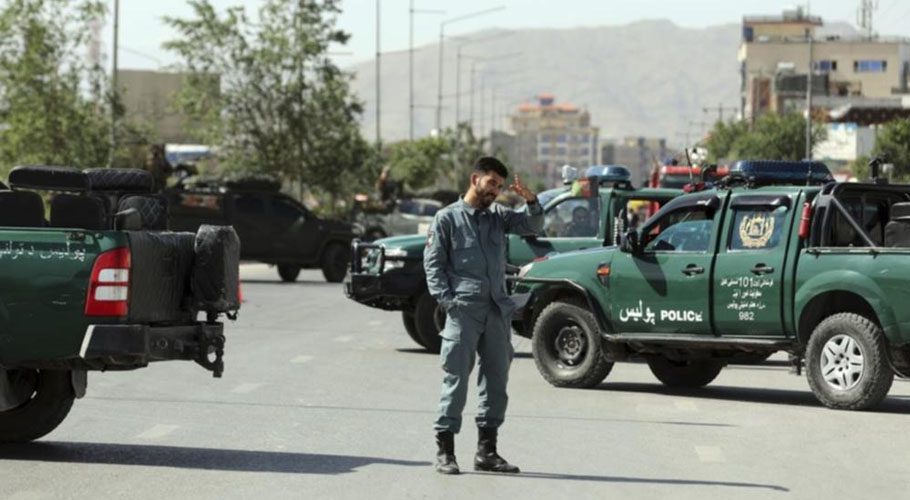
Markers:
757,228
684,230
285,211
250,204
573,218
871,211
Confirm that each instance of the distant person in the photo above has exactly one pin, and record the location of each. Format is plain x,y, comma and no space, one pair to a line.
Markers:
387,189
581,223
157,165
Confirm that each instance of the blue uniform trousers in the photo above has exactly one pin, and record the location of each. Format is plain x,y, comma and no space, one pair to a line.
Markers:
471,331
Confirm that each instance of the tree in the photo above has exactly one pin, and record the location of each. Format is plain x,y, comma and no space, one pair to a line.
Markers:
893,144
54,106
772,137
267,93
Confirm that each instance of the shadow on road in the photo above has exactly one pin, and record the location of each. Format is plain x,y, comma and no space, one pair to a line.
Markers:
418,350
193,458
635,480
896,404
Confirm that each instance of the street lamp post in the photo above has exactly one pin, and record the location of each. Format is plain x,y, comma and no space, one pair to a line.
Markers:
110,161
442,27
458,70
411,106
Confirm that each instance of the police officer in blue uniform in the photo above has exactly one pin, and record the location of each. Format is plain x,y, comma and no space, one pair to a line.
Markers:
465,261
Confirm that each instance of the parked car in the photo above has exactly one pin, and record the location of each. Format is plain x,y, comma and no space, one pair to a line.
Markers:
405,216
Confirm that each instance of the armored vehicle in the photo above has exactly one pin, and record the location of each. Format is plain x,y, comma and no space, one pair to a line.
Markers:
777,257
273,227
100,285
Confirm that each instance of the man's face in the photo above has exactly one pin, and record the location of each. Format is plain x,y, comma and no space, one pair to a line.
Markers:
487,187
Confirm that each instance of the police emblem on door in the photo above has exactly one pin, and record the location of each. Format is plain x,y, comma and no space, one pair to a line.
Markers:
755,230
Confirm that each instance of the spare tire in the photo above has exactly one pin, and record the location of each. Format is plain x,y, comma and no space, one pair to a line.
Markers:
120,179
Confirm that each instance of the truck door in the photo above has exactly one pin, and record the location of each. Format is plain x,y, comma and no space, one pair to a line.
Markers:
570,223
249,216
295,231
748,275
662,286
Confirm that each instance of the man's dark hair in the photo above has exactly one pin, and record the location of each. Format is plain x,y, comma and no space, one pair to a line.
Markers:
487,164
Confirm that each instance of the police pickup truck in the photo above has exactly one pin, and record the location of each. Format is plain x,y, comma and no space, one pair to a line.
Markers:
273,227
100,284
777,257
585,212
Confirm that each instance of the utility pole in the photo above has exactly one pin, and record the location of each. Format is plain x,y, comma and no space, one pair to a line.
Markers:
809,98
442,27
114,90
378,77
411,106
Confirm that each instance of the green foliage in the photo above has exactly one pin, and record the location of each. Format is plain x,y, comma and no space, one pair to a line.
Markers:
893,144
54,107
266,92
772,137
447,159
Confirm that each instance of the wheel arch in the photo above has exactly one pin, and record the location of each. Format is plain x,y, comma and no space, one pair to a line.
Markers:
830,302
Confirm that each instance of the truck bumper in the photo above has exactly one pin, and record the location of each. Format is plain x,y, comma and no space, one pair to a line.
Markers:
131,346
392,290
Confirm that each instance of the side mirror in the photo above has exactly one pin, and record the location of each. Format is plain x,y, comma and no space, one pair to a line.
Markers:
128,220
630,243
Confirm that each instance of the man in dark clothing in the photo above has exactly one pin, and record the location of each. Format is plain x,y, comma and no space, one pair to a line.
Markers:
465,265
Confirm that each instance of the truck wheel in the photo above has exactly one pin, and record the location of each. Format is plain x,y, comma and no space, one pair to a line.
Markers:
428,330
684,374
567,348
407,317
335,262
847,362
288,272
46,405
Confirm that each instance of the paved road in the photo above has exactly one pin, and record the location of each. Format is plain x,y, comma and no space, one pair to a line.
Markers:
323,398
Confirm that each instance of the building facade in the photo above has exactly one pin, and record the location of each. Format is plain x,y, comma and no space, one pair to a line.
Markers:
640,154
547,135
148,100
774,58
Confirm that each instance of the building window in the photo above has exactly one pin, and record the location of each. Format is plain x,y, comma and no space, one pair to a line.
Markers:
561,151
825,66
583,151
544,151
561,138
869,66
545,138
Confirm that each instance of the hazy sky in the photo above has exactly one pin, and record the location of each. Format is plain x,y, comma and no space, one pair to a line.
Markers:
142,32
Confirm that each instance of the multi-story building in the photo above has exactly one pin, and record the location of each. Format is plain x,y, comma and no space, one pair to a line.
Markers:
774,58
548,135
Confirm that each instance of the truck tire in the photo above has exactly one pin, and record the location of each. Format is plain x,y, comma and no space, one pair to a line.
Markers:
426,323
335,261
407,317
566,346
684,374
847,362
42,412
288,272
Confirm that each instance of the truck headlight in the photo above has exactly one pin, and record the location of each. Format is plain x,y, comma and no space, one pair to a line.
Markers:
396,254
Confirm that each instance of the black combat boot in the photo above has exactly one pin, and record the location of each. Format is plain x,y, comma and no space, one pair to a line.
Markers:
445,454
487,459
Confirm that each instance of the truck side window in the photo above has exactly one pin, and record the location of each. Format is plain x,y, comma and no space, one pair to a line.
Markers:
250,205
285,212
757,228
685,230
573,218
